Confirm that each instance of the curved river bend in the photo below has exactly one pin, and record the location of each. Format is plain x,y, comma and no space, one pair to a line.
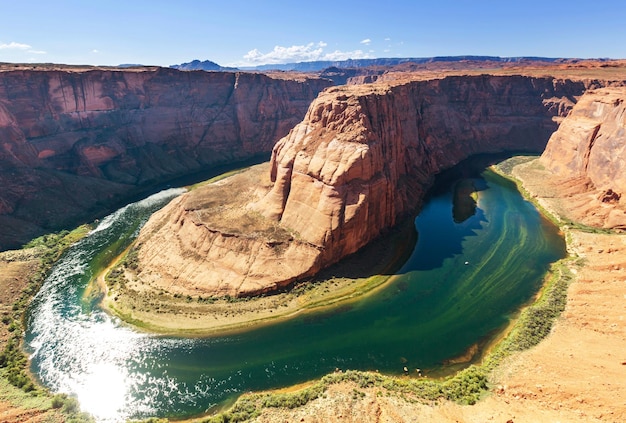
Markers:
462,282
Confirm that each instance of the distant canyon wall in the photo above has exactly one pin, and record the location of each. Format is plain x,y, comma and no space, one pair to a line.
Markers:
361,160
72,144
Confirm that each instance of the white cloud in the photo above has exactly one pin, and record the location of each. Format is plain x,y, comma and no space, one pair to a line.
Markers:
95,51
14,46
302,53
387,39
344,55
20,47
282,54
366,41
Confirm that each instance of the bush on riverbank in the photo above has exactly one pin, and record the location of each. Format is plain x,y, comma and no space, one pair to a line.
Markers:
49,249
536,321
71,408
13,362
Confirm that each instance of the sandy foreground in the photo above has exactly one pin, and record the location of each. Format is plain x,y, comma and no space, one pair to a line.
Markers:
577,374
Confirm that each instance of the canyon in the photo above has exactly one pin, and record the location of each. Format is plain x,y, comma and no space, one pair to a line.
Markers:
317,194
352,162
77,142
576,373
362,160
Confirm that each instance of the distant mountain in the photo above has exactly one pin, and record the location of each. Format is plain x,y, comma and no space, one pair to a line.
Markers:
206,65
317,66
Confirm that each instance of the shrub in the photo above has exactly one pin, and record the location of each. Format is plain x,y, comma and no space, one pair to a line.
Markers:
51,247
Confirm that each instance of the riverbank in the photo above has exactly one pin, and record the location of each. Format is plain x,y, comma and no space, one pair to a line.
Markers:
15,404
21,274
194,315
576,374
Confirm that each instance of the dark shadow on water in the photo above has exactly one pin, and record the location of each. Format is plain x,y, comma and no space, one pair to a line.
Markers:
388,254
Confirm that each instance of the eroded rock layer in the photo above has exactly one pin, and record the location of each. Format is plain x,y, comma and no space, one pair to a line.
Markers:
363,158
73,143
588,155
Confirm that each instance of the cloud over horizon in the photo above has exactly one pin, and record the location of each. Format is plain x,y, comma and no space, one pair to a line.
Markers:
20,47
14,46
302,53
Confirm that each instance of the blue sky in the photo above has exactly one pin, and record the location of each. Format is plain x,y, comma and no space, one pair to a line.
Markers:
239,33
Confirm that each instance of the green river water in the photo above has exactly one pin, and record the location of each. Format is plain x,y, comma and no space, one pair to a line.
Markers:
471,269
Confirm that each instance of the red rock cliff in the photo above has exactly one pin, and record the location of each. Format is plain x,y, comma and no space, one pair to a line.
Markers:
118,130
362,158
588,155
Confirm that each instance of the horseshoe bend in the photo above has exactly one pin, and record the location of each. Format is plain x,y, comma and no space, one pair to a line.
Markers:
362,159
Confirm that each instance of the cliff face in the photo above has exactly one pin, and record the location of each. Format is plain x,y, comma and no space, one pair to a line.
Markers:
361,160
364,156
88,138
588,155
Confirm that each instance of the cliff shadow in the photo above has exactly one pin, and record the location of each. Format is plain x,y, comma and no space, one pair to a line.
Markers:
436,232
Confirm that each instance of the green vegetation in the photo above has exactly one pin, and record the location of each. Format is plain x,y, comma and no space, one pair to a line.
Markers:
505,169
536,321
50,248
466,387
71,409
19,398
216,178
116,276
16,384
14,362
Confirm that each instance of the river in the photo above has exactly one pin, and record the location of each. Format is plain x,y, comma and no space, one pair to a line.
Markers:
473,266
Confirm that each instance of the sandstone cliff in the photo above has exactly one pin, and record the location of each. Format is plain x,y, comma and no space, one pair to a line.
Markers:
72,144
362,158
588,155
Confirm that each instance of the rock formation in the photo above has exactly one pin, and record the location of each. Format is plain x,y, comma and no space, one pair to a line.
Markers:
362,158
208,243
75,143
588,155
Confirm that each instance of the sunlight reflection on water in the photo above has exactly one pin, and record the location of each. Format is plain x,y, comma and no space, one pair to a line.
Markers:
87,355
